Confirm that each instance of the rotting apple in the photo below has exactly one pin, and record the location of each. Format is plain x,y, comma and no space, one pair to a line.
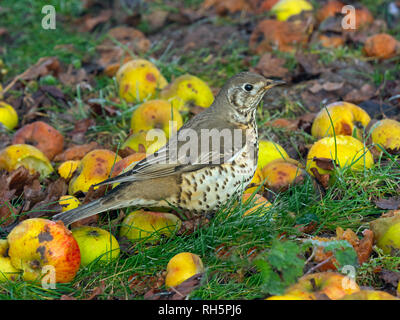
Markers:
68,203
67,168
8,116
149,225
259,202
343,150
280,174
186,90
181,267
139,80
269,151
257,181
284,9
333,285
96,243
94,168
156,114
7,270
150,143
41,135
386,133
387,233
347,119
36,243
27,156
369,295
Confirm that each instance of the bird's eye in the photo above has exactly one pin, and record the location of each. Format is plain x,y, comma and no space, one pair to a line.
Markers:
248,87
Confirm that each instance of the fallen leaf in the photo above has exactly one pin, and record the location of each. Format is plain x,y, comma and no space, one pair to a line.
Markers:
76,152
89,21
271,66
392,203
282,35
324,163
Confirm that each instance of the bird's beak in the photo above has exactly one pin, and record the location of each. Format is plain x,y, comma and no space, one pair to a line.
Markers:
273,83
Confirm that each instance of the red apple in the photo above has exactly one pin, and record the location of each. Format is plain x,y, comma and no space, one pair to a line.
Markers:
36,243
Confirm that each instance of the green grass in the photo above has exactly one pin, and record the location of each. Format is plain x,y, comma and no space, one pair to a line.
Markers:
348,202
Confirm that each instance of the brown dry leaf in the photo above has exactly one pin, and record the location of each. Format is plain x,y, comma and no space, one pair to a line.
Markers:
44,66
67,297
179,292
19,178
6,209
119,45
323,179
139,285
97,291
76,152
289,124
223,7
366,92
283,35
324,163
309,63
49,205
89,21
362,247
271,66
392,203
72,76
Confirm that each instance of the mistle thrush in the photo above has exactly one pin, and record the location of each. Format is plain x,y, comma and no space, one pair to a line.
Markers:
208,161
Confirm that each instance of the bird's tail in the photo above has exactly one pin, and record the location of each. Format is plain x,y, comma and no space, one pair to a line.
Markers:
81,212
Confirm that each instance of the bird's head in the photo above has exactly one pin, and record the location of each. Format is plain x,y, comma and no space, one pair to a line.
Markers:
245,90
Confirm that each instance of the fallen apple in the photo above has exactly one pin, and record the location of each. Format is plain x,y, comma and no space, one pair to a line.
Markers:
7,270
280,174
68,203
156,114
8,116
149,225
259,202
36,243
25,155
369,295
284,9
387,233
343,150
340,118
139,80
269,151
333,285
96,243
181,267
142,140
94,168
41,135
186,90
386,133
67,168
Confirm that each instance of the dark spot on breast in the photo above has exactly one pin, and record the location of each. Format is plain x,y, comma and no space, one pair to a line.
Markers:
208,188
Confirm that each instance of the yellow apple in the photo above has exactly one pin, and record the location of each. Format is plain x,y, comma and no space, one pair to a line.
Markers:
186,90
27,156
94,168
284,9
37,243
387,134
96,243
139,80
156,114
345,117
269,151
8,116
149,225
181,267
344,150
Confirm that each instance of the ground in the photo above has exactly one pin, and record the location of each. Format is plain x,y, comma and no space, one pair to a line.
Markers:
186,39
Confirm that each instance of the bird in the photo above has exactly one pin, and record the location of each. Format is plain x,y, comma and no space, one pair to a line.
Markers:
209,160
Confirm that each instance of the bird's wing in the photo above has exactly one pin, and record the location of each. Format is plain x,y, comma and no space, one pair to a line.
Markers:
169,160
